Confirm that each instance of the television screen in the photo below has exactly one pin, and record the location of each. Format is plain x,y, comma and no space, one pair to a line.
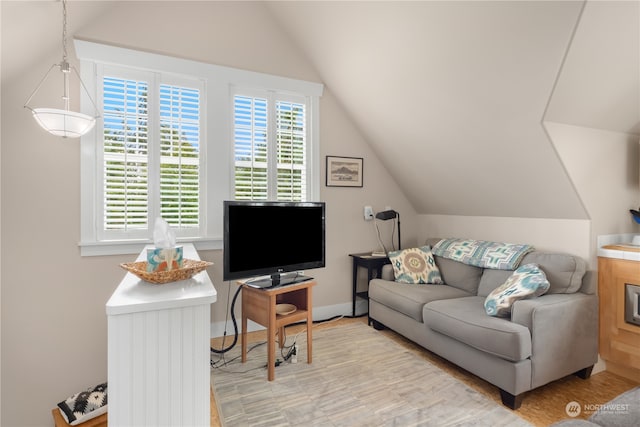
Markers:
269,238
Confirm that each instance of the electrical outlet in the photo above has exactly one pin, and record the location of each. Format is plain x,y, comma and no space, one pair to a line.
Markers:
368,213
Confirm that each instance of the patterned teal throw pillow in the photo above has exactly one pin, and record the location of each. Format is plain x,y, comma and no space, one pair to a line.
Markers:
415,265
528,281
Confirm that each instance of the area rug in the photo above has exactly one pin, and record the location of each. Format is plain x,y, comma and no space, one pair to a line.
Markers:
358,377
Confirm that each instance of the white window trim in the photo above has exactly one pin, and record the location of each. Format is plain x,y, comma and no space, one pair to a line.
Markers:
154,80
218,180
313,137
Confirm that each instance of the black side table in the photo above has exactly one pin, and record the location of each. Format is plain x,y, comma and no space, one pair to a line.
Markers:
373,264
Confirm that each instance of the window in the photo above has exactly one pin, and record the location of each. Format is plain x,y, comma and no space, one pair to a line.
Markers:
177,137
150,144
270,142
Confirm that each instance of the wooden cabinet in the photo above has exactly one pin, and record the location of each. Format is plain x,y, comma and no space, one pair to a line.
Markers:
619,341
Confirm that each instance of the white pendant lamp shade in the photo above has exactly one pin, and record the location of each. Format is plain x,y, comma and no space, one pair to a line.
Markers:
67,124
64,122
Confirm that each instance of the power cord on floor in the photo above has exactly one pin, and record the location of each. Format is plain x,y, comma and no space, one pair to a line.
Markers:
235,324
222,362
293,349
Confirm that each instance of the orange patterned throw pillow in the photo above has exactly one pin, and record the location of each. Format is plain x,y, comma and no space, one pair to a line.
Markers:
415,265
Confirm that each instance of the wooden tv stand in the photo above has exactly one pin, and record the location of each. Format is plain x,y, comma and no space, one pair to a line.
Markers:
259,305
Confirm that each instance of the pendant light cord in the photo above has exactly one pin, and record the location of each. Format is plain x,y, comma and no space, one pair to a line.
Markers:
64,31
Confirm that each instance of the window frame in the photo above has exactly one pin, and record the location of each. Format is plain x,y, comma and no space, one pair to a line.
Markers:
218,177
272,98
154,81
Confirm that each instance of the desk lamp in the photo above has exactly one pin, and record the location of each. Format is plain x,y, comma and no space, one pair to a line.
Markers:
391,214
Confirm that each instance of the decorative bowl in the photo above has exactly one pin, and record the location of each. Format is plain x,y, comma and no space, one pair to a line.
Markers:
189,268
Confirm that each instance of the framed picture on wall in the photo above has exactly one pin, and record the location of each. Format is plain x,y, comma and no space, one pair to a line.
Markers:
344,171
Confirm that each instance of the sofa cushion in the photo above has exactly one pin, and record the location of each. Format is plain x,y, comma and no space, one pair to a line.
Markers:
415,265
408,298
564,272
527,281
465,320
462,276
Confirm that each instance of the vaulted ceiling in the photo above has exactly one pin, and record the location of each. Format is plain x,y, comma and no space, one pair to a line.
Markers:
451,95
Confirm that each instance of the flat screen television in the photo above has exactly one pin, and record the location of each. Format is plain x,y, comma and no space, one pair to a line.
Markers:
265,240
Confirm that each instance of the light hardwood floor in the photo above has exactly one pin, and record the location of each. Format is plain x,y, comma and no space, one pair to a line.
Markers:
541,407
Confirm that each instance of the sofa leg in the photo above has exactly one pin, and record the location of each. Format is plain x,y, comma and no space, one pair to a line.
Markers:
584,373
377,325
511,401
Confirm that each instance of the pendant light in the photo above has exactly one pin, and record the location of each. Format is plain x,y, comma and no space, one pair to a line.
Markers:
63,122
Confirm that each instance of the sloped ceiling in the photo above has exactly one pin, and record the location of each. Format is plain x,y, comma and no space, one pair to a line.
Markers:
452,94
30,31
599,85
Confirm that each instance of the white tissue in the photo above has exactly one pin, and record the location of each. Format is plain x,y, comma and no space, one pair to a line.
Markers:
163,236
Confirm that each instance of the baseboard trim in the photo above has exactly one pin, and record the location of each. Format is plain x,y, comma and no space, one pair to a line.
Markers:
319,313
600,366
623,371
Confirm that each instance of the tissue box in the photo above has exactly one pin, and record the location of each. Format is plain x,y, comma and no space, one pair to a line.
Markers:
164,259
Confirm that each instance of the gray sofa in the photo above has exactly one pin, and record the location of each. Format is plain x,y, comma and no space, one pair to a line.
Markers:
546,338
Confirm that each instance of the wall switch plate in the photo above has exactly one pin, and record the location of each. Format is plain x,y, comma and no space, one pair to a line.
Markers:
368,213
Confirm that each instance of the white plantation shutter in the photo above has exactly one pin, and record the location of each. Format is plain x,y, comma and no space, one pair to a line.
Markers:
125,154
250,140
179,156
291,151
270,142
151,155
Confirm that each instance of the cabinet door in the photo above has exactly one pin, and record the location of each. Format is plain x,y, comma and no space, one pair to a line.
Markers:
619,341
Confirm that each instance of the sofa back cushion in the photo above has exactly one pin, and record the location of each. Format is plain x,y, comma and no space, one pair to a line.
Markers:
491,279
462,276
564,272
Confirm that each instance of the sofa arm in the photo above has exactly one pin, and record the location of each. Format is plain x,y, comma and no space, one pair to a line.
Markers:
564,333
